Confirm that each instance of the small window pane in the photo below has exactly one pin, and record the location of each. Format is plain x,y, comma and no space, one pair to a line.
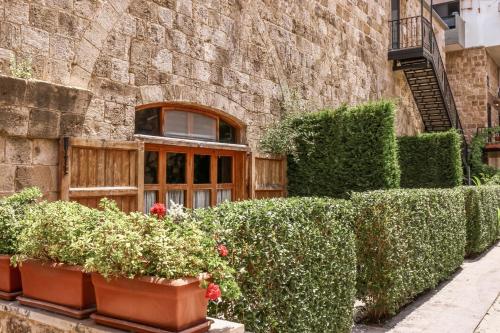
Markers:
226,132
150,198
201,199
202,169
176,124
224,169
151,167
176,168
223,196
176,196
203,127
148,122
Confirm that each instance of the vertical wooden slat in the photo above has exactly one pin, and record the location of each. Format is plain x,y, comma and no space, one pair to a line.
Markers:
82,168
65,164
101,167
109,168
75,165
92,168
125,168
139,176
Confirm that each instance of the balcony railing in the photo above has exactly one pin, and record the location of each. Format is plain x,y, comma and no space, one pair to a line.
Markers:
492,134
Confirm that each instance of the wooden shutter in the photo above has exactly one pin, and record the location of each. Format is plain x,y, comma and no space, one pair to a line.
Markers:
93,169
267,176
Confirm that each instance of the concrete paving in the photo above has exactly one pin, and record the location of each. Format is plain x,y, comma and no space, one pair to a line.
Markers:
456,306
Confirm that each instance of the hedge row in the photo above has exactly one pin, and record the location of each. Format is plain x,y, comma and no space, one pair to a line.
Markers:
295,262
431,160
481,205
343,150
407,241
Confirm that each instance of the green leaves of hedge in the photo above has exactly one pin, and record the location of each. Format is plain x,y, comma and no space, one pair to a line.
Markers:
295,262
407,242
343,150
431,160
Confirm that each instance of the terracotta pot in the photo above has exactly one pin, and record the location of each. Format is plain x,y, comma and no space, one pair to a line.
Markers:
10,278
172,305
57,284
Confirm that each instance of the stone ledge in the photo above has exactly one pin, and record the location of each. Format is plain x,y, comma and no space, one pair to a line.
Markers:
15,318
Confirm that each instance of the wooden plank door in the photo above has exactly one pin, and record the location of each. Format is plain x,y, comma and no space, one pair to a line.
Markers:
267,176
93,169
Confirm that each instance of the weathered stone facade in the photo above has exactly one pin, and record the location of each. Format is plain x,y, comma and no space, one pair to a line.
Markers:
468,72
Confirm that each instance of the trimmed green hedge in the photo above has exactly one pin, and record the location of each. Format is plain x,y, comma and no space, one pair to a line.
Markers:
478,168
407,242
343,150
481,205
295,262
431,160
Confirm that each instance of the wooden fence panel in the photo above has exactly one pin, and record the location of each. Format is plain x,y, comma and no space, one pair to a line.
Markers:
268,176
93,169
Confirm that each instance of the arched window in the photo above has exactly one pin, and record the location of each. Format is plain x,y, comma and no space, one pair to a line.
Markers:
193,156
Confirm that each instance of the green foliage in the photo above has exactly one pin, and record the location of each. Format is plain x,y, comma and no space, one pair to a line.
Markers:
295,262
57,231
136,244
12,210
481,206
21,69
407,242
431,160
478,168
343,150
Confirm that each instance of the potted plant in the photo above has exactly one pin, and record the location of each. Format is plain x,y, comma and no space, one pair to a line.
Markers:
12,210
52,249
156,272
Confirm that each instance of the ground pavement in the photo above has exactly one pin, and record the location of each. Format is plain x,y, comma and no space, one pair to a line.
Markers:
468,303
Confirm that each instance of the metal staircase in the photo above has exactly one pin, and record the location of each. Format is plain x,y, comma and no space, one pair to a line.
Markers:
415,51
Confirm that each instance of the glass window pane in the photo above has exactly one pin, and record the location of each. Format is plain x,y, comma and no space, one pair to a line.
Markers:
148,122
201,199
203,127
224,169
202,169
175,124
176,168
149,200
226,132
176,196
223,196
151,167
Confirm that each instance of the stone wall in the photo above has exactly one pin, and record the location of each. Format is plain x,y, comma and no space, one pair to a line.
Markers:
240,56
33,115
467,71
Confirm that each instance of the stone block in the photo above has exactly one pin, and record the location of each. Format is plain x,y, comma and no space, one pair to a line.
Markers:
43,18
184,7
86,8
86,55
165,17
163,61
10,35
42,176
144,9
70,25
45,152
119,70
35,40
71,124
18,150
59,71
61,48
2,149
43,124
12,91
7,176
14,120
114,113
18,12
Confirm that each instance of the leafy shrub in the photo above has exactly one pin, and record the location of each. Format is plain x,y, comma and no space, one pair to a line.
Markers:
481,206
407,242
136,244
295,262
12,210
478,168
57,231
431,160
343,150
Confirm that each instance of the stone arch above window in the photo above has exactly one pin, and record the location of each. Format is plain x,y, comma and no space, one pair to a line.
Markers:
188,121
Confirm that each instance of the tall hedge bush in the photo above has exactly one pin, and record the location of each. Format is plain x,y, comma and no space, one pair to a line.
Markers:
481,205
343,150
295,262
431,160
407,241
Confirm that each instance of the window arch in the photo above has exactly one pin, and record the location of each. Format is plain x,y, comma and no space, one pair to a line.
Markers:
187,121
179,167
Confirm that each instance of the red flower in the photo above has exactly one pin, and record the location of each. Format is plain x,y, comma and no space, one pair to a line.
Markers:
159,210
213,292
223,252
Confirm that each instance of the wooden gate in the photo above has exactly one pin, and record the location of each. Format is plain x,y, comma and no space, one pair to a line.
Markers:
267,176
93,169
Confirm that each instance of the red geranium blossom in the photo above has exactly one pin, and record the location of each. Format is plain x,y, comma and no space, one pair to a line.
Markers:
223,252
158,209
213,292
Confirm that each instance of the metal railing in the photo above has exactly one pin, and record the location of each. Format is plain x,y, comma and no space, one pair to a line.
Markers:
492,134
